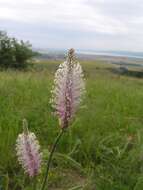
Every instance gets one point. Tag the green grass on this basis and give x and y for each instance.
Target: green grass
(103, 148)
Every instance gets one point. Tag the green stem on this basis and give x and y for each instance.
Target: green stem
(34, 183)
(50, 158)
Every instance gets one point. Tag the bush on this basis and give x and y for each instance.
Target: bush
(14, 53)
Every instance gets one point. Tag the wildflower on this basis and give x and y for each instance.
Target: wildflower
(68, 89)
(28, 151)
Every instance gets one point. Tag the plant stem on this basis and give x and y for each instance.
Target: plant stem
(34, 183)
(50, 158)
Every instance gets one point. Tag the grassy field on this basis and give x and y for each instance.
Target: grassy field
(103, 149)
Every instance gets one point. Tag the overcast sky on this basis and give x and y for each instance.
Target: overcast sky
(82, 24)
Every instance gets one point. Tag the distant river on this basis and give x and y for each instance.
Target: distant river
(116, 54)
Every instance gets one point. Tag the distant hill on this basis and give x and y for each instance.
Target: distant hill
(121, 58)
(87, 54)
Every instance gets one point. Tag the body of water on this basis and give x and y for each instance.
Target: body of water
(138, 55)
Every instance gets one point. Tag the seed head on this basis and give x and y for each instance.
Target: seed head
(28, 151)
(68, 89)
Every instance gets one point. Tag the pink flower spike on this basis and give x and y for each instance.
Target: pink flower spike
(68, 89)
(28, 151)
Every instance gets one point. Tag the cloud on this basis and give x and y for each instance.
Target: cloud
(114, 21)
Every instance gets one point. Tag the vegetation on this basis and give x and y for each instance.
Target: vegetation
(103, 149)
(14, 53)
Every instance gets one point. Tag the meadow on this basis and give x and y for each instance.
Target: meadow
(103, 148)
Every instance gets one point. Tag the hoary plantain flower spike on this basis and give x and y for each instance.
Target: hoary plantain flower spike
(28, 151)
(68, 89)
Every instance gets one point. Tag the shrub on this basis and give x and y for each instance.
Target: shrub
(14, 53)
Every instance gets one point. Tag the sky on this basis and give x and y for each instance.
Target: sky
(81, 24)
